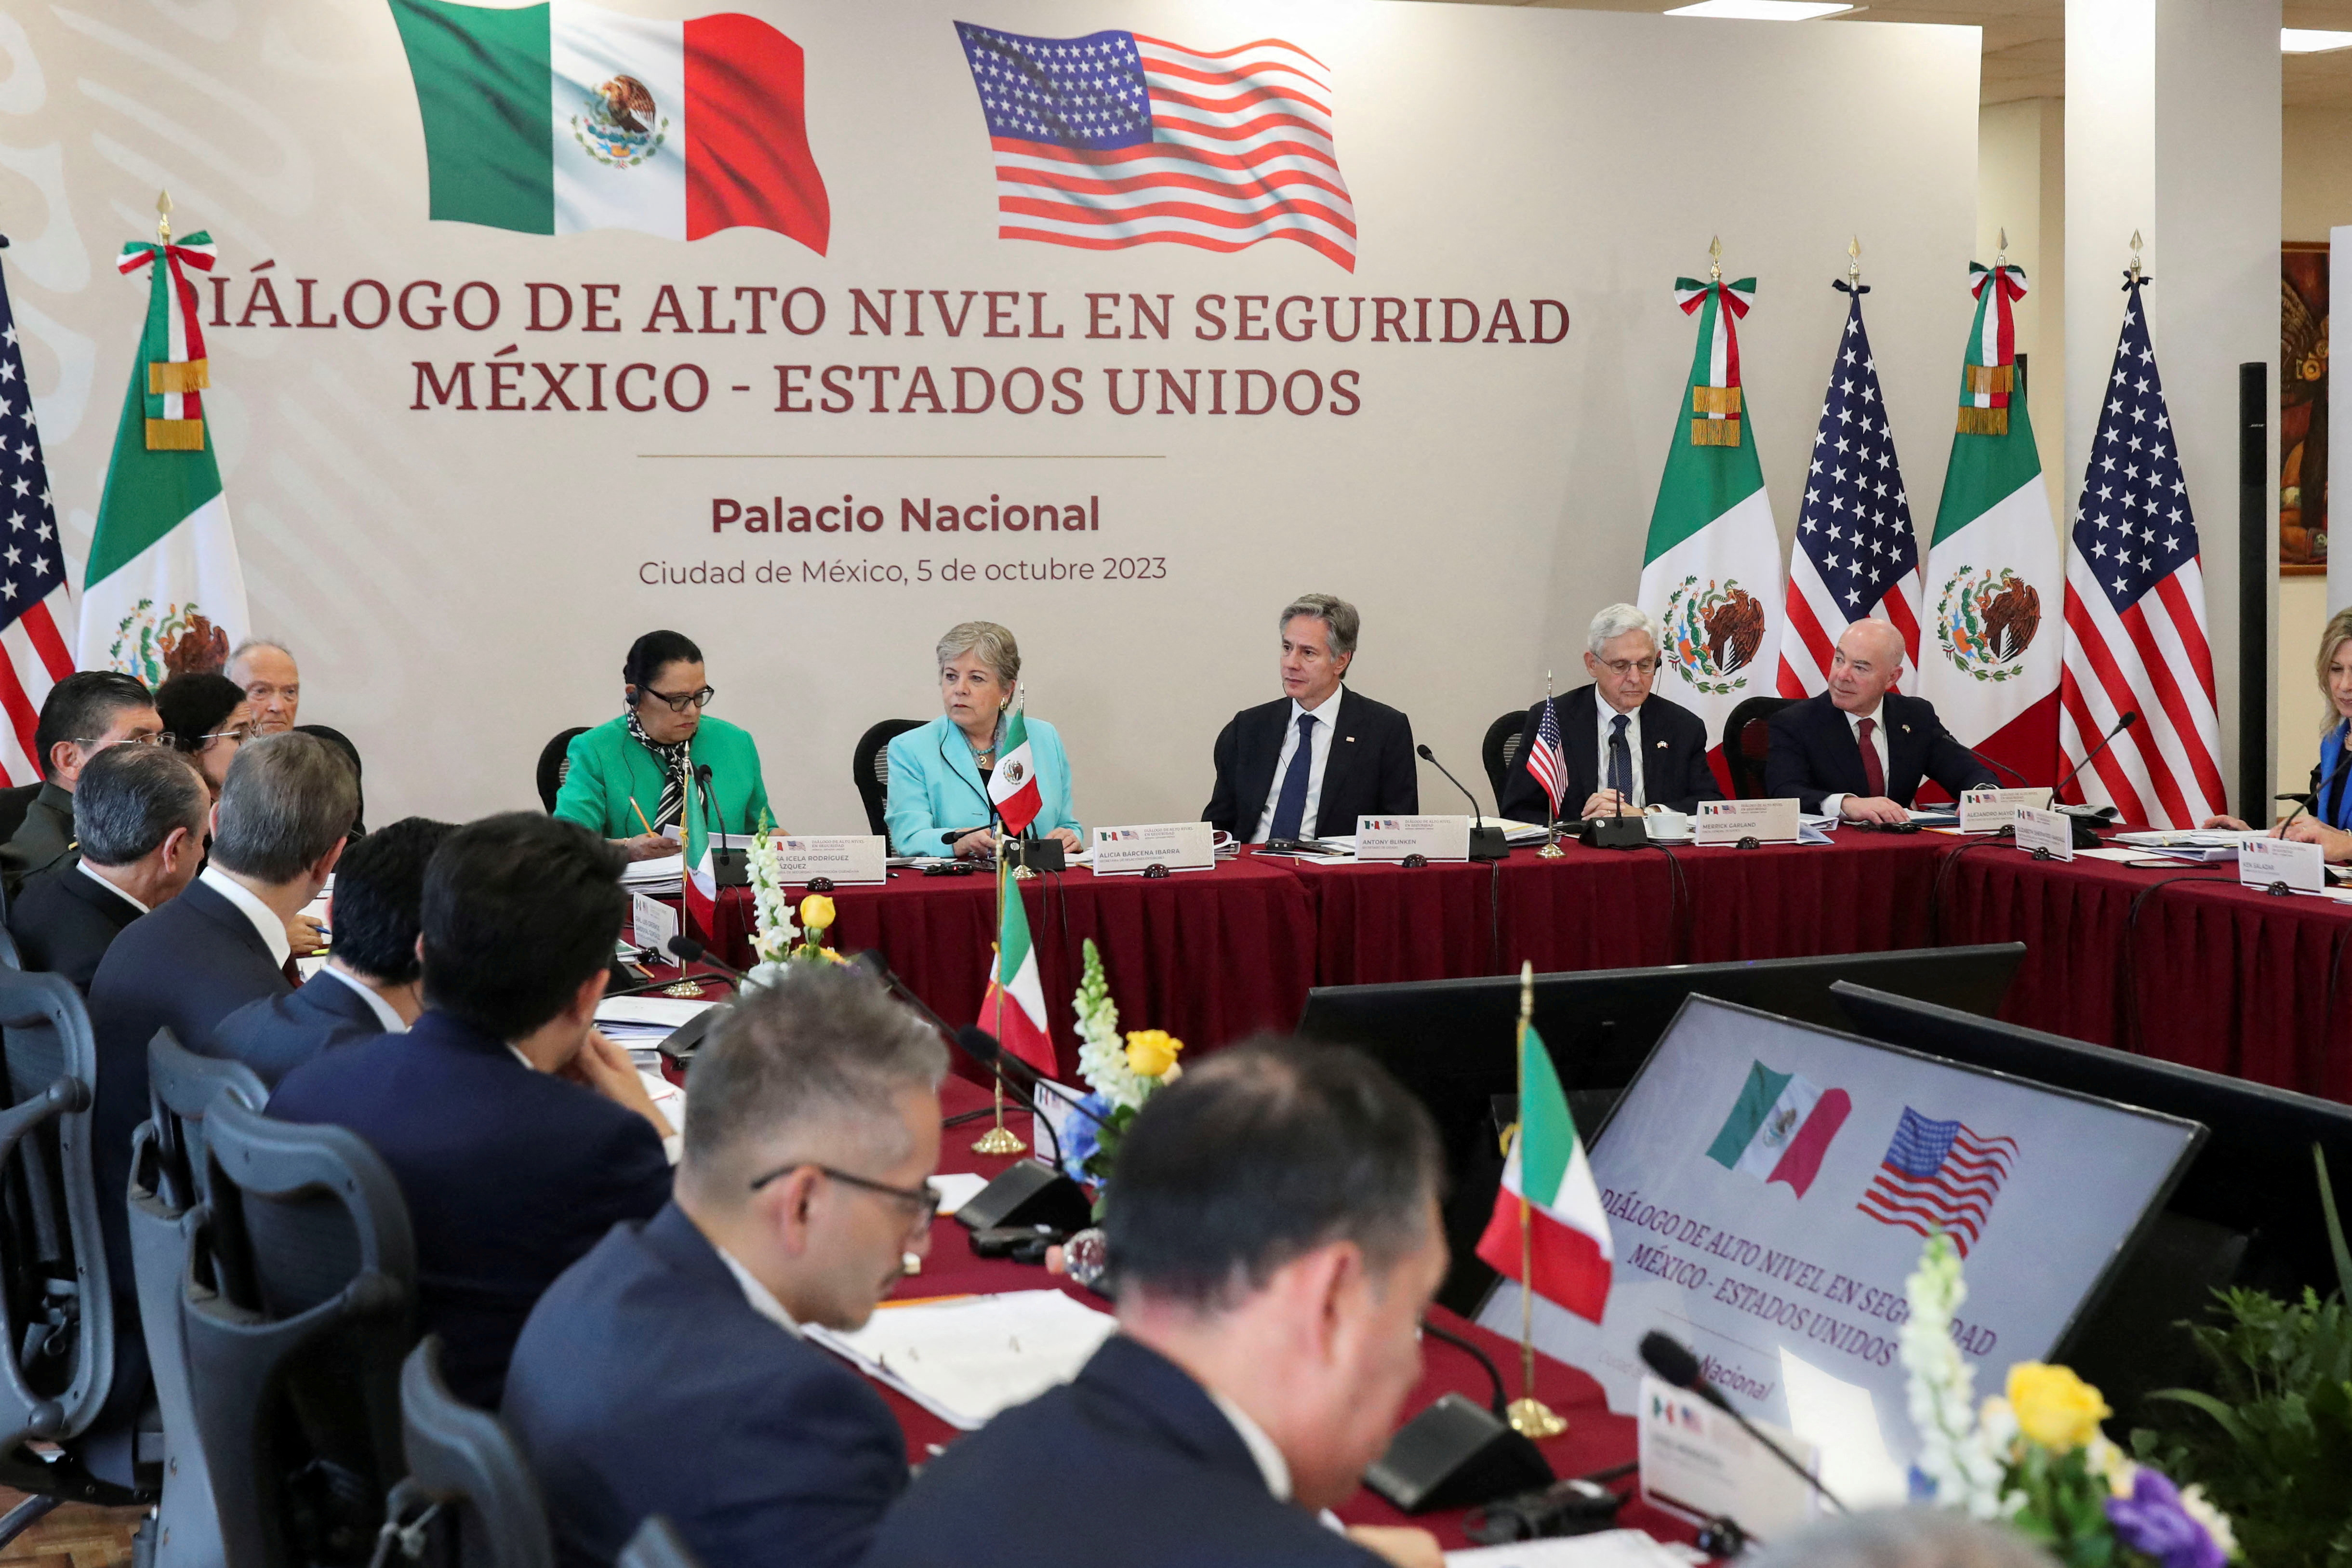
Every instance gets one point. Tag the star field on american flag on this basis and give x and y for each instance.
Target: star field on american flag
(2134, 526)
(1855, 523)
(1081, 92)
(28, 549)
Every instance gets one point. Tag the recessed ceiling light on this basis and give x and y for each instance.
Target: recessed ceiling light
(1785, 11)
(2312, 41)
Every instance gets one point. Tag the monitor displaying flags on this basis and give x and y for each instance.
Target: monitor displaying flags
(1857, 553)
(1115, 139)
(34, 604)
(1545, 759)
(1548, 1230)
(1940, 1175)
(2136, 611)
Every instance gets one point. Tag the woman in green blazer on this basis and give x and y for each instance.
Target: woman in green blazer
(627, 779)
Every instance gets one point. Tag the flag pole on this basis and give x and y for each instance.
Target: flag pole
(1529, 1417)
(998, 1139)
(1551, 849)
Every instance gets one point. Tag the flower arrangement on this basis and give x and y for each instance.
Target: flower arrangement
(777, 940)
(2036, 1458)
(1121, 1071)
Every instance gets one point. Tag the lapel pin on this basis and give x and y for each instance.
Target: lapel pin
(1662, 745)
(1906, 728)
(1351, 740)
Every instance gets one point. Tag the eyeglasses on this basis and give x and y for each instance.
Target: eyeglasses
(1621, 667)
(684, 700)
(923, 1201)
(163, 737)
(238, 732)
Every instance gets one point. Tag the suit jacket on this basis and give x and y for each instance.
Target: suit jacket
(609, 768)
(1814, 755)
(646, 1383)
(511, 1174)
(278, 1034)
(45, 837)
(936, 789)
(1674, 771)
(1369, 771)
(64, 922)
(1164, 1479)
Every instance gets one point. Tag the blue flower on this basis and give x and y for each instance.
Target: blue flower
(1081, 1136)
(2151, 1520)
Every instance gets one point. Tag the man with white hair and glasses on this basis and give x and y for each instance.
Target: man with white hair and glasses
(1626, 749)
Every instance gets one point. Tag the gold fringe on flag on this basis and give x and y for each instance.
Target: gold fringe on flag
(167, 376)
(1984, 421)
(1722, 400)
(1986, 379)
(176, 435)
(1714, 432)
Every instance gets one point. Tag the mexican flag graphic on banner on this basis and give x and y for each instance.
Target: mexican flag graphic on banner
(560, 118)
(1987, 661)
(1711, 571)
(1013, 1010)
(1779, 1128)
(162, 592)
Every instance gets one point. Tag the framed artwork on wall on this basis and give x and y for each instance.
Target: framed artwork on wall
(2302, 407)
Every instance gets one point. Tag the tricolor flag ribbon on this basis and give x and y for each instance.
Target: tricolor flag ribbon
(1990, 374)
(1715, 372)
(173, 342)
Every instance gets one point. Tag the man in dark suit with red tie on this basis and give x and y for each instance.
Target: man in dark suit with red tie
(1859, 750)
(1309, 763)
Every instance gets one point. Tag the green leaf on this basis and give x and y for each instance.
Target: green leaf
(2335, 1225)
(2199, 1400)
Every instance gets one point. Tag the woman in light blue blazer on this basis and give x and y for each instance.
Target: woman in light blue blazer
(939, 802)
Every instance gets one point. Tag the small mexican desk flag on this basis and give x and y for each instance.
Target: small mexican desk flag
(1013, 783)
(1547, 1186)
(162, 592)
(1014, 1008)
(699, 893)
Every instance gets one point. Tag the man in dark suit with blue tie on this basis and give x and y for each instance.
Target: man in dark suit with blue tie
(1859, 750)
(1311, 763)
(518, 1135)
(371, 984)
(666, 1373)
(141, 817)
(1623, 747)
(1275, 1240)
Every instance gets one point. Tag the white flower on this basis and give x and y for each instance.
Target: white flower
(772, 908)
(2198, 1506)
(1962, 1456)
(1102, 1049)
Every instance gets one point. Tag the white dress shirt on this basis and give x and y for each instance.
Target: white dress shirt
(1834, 804)
(1325, 715)
(85, 869)
(264, 919)
(1608, 721)
(393, 1023)
(1270, 1462)
(763, 1300)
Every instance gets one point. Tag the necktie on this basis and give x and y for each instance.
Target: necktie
(1874, 776)
(1290, 805)
(1620, 761)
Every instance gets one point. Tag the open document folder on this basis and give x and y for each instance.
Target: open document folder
(968, 1357)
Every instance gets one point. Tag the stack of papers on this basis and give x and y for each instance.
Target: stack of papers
(967, 1358)
(663, 875)
(640, 1023)
(2192, 846)
(1602, 1549)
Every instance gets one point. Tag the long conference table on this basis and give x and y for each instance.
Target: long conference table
(2178, 961)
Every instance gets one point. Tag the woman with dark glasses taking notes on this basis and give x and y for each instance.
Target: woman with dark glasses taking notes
(631, 778)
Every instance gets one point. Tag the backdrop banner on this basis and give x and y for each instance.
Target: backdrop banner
(811, 329)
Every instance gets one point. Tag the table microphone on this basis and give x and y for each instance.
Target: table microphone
(2342, 758)
(1675, 1364)
(2130, 717)
(2022, 782)
(685, 950)
(977, 1043)
(1486, 843)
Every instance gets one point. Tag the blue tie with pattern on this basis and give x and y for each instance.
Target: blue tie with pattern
(1621, 761)
(1290, 805)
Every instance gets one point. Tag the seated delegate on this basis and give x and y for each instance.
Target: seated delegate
(631, 777)
(1859, 750)
(2328, 822)
(1625, 747)
(939, 772)
(273, 684)
(209, 716)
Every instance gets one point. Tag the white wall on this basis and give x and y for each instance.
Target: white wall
(2021, 187)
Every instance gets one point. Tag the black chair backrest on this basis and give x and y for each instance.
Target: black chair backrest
(656, 1544)
(297, 1310)
(466, 1459)
(554, 762)
(14, 803)
(1500, 750)
(9, 956)
(1747, 741)
(167, 1151)
(869, 767)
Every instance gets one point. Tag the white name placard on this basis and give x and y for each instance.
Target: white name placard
(1696, 1462)
(2263, 862)
(1765, 821)
(1394, 838)
(1991, 810)
(1179, 846)
(843, 857)
(655, 921)
(2050, 830)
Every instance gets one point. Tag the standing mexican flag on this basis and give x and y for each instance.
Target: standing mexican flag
(699, 892)
(1711, 570)
(162, 592)
(1548, 1231)
(559, 118)
(1994, 563)
(1014, 1008)
(1013, 783)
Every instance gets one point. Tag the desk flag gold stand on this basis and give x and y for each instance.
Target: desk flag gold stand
(1551, 849)
(1529, 1417)
(998, 1139)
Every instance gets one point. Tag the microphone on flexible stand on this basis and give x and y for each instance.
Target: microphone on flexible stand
(1994, 762)
(2086, 837)
(685, 950)
(728, 866)
(1486, 843)
(976, 1043)
(1675, 1364)
(2345, 756)
(1615, 832)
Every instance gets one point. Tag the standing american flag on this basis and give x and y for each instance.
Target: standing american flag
(1857, 553)
(1940, 1175)
(1115, 139)
(2135, 610)
(1545, 759)
(34, 600)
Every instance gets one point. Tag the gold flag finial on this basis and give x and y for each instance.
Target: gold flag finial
(1854, 259)
(2000, 248)
(1715, 259)
(2134, 260)
(164, 217)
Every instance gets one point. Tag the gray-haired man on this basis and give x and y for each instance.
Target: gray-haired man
(1320, 756)
(140, 814)
(1624, 748)
(664, 1372)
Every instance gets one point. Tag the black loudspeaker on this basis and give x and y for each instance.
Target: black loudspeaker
(1040, 854)
(1455, 1454)
(1030, 1192)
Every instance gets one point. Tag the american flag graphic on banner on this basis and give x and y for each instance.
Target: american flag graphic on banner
(1857, 553)
(1940, 1175)
(34, 599)
(1115, 139)
(2135, 612)
(1546, 761)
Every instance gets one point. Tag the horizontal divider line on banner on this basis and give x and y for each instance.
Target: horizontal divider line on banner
(930, 457)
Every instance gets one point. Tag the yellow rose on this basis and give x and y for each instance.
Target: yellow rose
(1150, 1052)
(2054, 1407)
(816, 912)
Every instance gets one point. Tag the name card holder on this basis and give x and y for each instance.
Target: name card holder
(2282, 866)
(2045, 835)
(1400, 837)
(1991, 810)
(1740, 823)
(842, 857)
(1133, 851)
